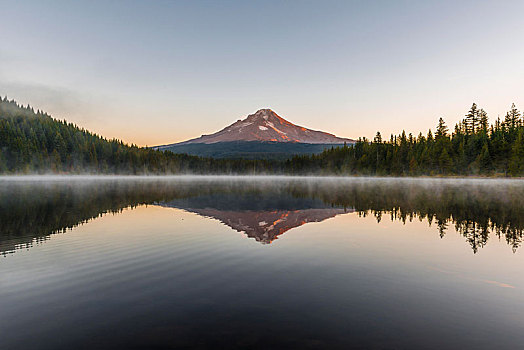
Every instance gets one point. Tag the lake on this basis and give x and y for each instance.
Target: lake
(261, 263)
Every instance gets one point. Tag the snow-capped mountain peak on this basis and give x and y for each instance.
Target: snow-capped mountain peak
(266, 125)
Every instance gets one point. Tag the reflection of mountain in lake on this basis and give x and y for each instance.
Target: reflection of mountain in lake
(266, 226)
(260, 215)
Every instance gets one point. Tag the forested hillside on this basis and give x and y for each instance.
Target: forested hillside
(249, 149)
(34, 142)
(473, 148)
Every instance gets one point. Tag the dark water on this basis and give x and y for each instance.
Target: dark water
(267, 263)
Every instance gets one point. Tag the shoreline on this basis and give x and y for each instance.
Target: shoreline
(57, 177)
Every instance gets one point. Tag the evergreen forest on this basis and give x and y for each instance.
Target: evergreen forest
(34, 142)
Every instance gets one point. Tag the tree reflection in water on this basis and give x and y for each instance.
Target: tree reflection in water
(263, 208)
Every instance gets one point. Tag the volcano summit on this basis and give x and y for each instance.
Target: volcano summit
(260, 135)
(266, 125)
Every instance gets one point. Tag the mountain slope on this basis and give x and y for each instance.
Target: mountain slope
(249, 149)
(265, 126)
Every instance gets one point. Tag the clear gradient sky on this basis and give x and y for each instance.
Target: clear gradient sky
(156, 72)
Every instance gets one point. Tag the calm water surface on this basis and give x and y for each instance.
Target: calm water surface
(265, 263)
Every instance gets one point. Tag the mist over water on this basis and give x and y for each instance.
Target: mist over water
(260, 262)
(475, 207)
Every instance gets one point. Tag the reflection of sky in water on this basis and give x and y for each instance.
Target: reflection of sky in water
(169, 277)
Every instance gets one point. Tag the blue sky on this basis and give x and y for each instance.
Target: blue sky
(155, 72)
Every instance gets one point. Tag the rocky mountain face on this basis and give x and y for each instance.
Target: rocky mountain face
(266, 126)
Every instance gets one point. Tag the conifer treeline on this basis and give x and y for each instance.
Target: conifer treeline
(473, 148)
(33, 142)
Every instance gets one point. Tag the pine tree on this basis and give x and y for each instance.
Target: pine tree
(516, 166)
(512, 119)
(484, 159)
(472, 120)
(442, 129)
(445, 162)
(430, 136)
(483, 120)
(413, 166)
(378, 138)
